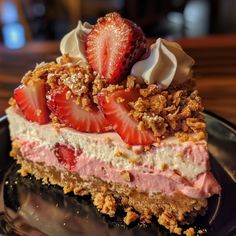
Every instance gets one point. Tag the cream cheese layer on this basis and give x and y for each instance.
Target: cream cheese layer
(169, 167)
(150, 180)
(189, 159)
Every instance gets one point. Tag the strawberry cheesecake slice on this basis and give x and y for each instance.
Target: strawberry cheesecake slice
(117, 120)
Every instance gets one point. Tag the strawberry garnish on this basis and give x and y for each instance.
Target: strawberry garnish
(31, 99)
(113, 46)
(115, 107)
(73, 115)
(65, 155)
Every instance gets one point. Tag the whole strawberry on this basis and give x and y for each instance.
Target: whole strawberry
(113, 46)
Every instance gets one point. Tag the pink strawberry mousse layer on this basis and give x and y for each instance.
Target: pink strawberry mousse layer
(147, 180)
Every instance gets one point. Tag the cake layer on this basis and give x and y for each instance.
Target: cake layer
(144, 179)
(189, 159)
(37, 144)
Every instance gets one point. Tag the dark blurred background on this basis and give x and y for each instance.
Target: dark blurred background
(38, 20)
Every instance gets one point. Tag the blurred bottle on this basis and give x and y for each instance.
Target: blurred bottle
(13, 25)
(197, 18)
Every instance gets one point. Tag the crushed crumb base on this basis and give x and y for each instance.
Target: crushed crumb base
(171, 211)
(105, 203)
(189, 232)
(131, 216)
(169, 221)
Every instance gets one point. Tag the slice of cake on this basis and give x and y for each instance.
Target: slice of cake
(117, 120)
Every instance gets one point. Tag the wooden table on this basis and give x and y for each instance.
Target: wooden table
(215, 70)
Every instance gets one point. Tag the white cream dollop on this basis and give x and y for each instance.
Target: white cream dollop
(166, 63)
(73, 43)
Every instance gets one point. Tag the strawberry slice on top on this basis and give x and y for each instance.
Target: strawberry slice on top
(113, 46)
(73, 115)
(31, 99)
(116, 110)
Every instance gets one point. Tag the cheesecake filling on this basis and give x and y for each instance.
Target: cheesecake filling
(148, 180)
(188, 158)
(168, 167)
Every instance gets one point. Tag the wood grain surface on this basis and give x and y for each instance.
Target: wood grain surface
(214, 70)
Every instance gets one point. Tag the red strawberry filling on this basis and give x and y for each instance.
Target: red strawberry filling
(65, 155)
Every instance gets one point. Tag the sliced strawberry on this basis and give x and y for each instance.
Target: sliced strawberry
(73, 115)
(65, 155)
(113, 46)
(31, 100)
(117, 114)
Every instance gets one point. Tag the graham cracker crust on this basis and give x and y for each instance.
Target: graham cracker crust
(170, 211)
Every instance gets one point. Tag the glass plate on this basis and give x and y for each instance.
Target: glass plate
(28, 207)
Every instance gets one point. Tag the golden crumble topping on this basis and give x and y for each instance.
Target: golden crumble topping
(130, 81)
(168, 112)
(12, 102)
(41, 71)
(113, 87)
(84, 85)
(151, 89)
(174, 111)
(55, 123)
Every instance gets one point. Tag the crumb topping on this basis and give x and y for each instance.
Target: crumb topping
(55, 123)
(41, 71)
(84, 85)
(169, 112)
(12, 102)
(131, 81)
(173, 111)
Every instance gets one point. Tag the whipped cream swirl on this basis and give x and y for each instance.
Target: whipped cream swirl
(73, 43)
(166, 64)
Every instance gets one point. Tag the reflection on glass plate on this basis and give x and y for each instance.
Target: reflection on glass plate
(29, 208)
